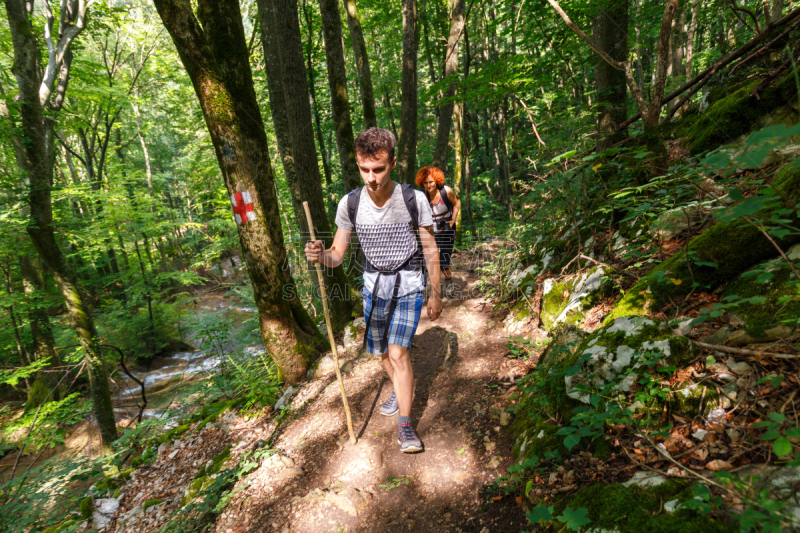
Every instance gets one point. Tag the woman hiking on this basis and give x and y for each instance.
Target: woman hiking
(445, 206)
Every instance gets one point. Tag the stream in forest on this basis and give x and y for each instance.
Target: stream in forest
(166, 376)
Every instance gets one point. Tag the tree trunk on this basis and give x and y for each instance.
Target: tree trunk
(362, 63)
(291, 79)
(450, 70)
(467, 178)
(458, 167)
(326, 165)
(337, 82)
(35, 90)
(215, 57)
(610, 32)
(427, 44)
(43, 344)
(407, 143)
(694, 5)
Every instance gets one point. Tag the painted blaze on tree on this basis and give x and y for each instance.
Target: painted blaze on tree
(242, 207)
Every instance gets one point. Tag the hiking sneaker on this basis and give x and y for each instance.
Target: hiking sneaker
(390, 406)
(407, 439)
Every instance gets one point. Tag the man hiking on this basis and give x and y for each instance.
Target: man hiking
(385, 216)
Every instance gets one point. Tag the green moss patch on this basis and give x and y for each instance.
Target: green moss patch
(151, 503)
(215, 463)
(737, 114)
(633, 509)
(173, 433)
(765, 315)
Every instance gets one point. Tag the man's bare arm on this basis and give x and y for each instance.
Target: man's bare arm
(333, 256)
(431, 253)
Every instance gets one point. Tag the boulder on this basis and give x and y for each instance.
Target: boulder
(613, 351)
(104, 511)
(567, 302)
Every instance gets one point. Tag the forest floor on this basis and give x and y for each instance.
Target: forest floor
(321, 482)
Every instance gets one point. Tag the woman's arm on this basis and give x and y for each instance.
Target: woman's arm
(451, 195)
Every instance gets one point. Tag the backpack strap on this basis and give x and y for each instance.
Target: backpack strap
(410, 199)
(353, 199)
(447, 203)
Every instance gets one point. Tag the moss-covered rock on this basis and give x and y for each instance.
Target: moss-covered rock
(533, 435)
(151, 503)
(763, 321)
(738, 113)
(195, 488)
(174, 433)
(633, 509)
(567, 302)
(734, 247)
(625, 344)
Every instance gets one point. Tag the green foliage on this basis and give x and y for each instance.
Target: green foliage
(395, 482)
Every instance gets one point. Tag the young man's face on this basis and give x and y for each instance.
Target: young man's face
(376, 172)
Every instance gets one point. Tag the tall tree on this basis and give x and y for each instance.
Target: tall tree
(610, 32)
(279, 19)
(213, 50)
(651, 110)
(41, 89)
(337, 82)
(326, 165)
(451, 73)
(362, 63)
(407, 143)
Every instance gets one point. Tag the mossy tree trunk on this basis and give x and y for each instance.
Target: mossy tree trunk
(42, 335)
(446, 118)
(337, 82)
(407, 143)
(36, 90)
(213, 50)
(287, 81)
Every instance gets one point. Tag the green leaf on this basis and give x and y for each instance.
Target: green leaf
(793, 433)
(566, 430)
(571, 441)
(770, 435)
(701, 491)
(748, 207)
(540, 512)
(777, 417)
(575, 519)
(528, 487)
(782, 447)
(462, 450)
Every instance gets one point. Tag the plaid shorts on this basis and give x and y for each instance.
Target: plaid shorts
(404, 322)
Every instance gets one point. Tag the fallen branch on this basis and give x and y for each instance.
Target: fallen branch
(125, 368)
(744, 351)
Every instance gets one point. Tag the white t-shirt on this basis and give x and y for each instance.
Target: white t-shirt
(387, 239)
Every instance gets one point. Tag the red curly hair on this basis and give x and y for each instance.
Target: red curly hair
(430, 172)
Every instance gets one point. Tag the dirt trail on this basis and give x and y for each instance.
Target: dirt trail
(335, 486)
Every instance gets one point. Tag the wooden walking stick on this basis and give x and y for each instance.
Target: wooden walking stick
(330, 331)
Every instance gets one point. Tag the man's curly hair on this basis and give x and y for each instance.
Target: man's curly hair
(373, 142)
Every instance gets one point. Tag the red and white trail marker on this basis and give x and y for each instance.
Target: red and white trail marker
(242, 207)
